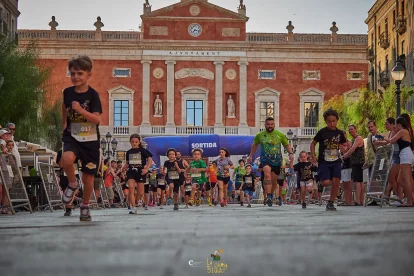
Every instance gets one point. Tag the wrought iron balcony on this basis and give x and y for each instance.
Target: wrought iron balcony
(370, 53)
(384, 41)
(401, 25)
(384, 78)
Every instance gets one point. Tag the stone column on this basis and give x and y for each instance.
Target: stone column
(243, 93)
(170, 93)
(219, 95)
(146, 68)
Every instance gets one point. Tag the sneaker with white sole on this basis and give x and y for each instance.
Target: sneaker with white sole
(69, 194)
(85, 214)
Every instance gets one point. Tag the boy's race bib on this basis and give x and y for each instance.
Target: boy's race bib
(161, 182)
(188, 188)
(84, 132)
(331, 155)
(248, 180)
(173, 175)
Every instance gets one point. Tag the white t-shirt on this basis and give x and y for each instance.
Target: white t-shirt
(2, 142)
(16, 154)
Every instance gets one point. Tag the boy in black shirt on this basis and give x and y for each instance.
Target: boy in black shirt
(81, 114)
(304, 171)
(329, 163)
(173, 171)
(138, 162)
(248, 186)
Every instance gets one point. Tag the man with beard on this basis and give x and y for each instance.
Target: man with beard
(271, 142)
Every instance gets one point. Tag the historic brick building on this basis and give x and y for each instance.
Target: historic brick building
(194, 69)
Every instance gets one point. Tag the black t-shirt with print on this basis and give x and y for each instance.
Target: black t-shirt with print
(304, 170)
(248, 182)
(89, 101)
(172, 172)
(329, 142)
(137, 158)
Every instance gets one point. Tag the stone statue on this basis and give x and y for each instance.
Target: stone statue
(98, 24)
(231, 108)
(53, 24)
(242, 6)
(158, 107)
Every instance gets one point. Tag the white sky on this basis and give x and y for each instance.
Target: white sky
(308, 16)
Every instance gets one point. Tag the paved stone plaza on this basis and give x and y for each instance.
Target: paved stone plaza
(258, 241)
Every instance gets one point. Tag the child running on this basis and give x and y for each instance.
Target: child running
(212, 188)
(81, 113)
(248, 185)
(330, 139)
(138, 162)
(188, 188)
(173, 171)
(161, 190)
(304, 171)
(198, 169)
(224, 164)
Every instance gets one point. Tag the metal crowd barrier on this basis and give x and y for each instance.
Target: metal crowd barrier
(118, 188)
(291, 187)
(50, 186)
(104, 196)
(379, 175)
(12, 181)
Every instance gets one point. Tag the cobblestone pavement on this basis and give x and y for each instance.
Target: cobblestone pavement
(258, 241)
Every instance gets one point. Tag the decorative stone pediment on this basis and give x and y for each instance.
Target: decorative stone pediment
(121, 92)
(193, 9)
(312, 92)
(352, 95)
(267, 91)
(194, 72)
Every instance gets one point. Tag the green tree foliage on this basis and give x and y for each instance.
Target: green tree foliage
(23, 94)
(368, 106)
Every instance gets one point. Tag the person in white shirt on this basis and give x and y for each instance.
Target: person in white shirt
(15, 151)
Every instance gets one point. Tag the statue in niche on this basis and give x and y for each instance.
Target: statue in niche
(158, 107)
(231, 108)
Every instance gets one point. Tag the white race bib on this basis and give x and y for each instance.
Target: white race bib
(84, 132)
(331, 155)
(135, 159)
(188, 188)
(197, 174)
(161, 182)
(173, 175)
(248, 180)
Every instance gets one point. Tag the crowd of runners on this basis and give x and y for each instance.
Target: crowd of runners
(337, 159)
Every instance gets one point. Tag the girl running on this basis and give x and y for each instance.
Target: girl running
(138, 161)
(172, 171)
(212, 189)
(188, 188)
(161, 190)
(304, 170)
(198, 169)
(224, 164)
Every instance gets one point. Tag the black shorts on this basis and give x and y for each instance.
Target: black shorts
(187, 193)
(280, 182)
(357, 173)
(213, 185)
(275, 169)
(87, 153)
(136, 175)
(237, 185)
(161, 187)
(146, 189)
(207, 187)
(199, 187)
(153, 189)
(176, 183)
(124, 187)
(225, 180)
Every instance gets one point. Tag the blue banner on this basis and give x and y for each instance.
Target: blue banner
(208, 143)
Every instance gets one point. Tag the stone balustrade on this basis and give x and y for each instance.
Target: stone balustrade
(79, 35)
(297, 38)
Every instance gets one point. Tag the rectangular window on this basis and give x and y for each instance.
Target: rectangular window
(354, 75)
(121, 72)
(194, 111)
(267, 74)
(311, 113)
(267, 109)
(121, 113)
(311, 75)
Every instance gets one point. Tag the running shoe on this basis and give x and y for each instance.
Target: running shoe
(269, 201)
(249, 206)
(134, 212)
(198, 202)
(241, 204)
(280, 201)
(264, 202)
(330, 207)
(210, 204)
(191, 203)
(68, 212)
(175, 206)
(222, 204)
(69, 194)
(85, 213)
(303, 205)
(146, 208)
(161, 207)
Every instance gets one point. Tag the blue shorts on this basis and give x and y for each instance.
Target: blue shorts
(328, 171)
(247, 192)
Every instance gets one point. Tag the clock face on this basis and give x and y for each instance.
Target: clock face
(194, 29)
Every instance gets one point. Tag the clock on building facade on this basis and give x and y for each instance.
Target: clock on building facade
(195, 29)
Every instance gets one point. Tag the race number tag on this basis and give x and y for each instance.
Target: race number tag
(196, 174)
(188, 188)
(84, 132)
(173, 175)
(331, 155)
(248, 180)
(161, 182)
(135, 159)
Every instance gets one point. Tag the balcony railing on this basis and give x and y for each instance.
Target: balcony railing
(193, 130)
(401, 25)
(384, 41)
(384, 78)
(231, 130)
(307, 131)
(158, 130)
(79, 35)
(121, 130)
(370, 53)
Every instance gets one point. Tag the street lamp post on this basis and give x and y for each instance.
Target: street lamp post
(293, 140)
(398, 73)
(109, 146)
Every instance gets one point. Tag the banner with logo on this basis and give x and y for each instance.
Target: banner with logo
(208, 143)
